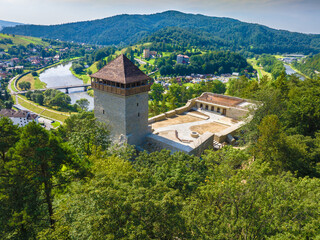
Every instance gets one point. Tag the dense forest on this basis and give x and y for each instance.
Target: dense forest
(180, 39)
(271, 64)
(218, 32)
(216, 62)
(73, 183)
(309, 66)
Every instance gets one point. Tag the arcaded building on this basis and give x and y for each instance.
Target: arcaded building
(121, 100)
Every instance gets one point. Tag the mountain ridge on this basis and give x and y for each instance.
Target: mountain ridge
(4, 23)
(126, 29)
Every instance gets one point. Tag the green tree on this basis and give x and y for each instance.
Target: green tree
(303, 108)
(28, 94)
(43, 156)
(84, 132)
(9, 135)
(26, 180)
(24, 85)
(83, 104)
(157, 91)
(118, 202)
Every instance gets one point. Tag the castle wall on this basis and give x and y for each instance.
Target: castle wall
(110, 109)
(237, 113)
(136, 110)
(126, 116)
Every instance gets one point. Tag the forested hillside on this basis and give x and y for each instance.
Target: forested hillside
(73, 183)
(215, 62)
(309, 66)
(8, 24)
(214, 32)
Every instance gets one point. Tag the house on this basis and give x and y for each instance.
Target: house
(147, 53)
(56, 58)
(183, 59)
(20, 117)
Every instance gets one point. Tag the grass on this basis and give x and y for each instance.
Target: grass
(54, 115)
(21, 40)
(90, 92)
(34, 81)
(188, 84)
(93, 67)
(259, 69)
(55, 124)
(13, 87)
(42, 111)
(83, 76)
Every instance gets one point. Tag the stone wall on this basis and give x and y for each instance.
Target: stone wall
(126, 116)
(196, 148)
(190, 104)
(237, 113)
(136, 109)
(203, 142)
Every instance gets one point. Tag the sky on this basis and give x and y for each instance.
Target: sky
(293, 15)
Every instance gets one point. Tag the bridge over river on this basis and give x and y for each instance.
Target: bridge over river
(84, 86)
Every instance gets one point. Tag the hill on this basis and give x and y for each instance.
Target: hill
(309, 66)
(7, 41)
(8, 24)
(129, 29)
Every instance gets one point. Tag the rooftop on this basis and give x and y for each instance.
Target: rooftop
(17, 114)
(221, 99)
(121, 70)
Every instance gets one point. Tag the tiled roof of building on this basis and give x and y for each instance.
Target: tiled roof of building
(121, 70)
(18, 114)
(221, 99)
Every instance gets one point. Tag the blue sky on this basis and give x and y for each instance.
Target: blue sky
(293, 15)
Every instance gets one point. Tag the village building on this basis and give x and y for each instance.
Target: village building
(183, 59)
(20, 117)
(147, 53)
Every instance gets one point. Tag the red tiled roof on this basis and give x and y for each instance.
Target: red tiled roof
(121, 70)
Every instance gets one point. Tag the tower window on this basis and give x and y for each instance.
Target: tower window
(137, 104)
(138, 114)
(102, 111)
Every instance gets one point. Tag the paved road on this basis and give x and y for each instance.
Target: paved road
(9, 86)
(140, 61)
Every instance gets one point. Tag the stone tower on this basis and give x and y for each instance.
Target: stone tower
(121, 100)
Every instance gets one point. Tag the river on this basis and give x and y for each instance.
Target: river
(290, 71)
(62, 76)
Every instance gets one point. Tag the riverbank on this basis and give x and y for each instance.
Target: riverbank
(40, 110)
(84, 76)
(297, 71)
(35, 82)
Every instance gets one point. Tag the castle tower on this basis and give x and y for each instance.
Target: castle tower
(121, 100)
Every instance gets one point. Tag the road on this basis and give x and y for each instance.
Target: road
(140, 61)
(9, 86)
